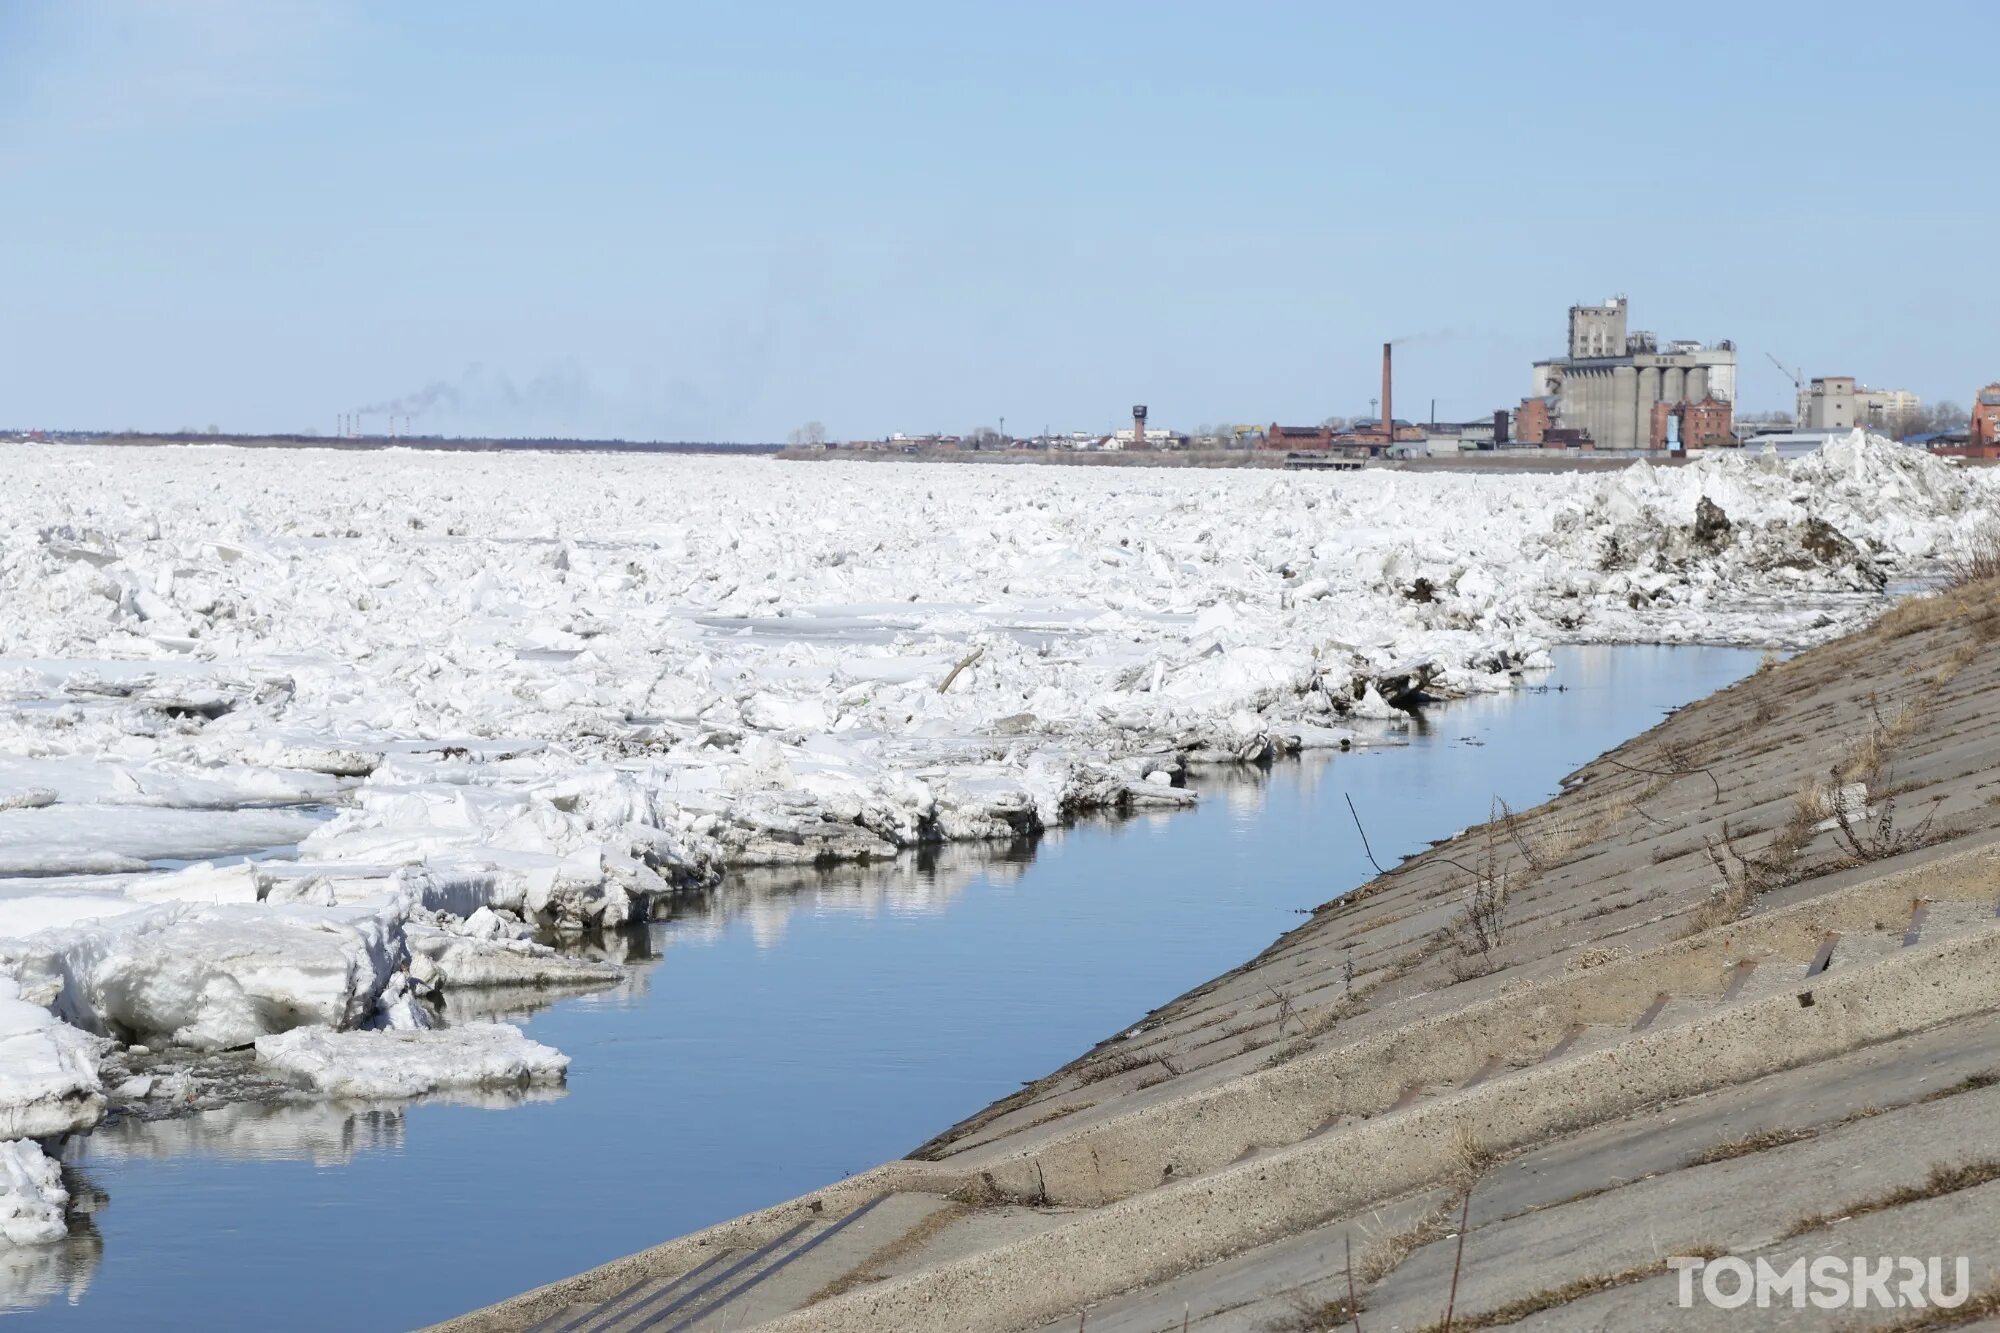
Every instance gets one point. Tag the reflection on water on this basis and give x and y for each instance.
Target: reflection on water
(920, 882)
(327, 1133)
(927, 880)
(323, 1133)
(33, 1275)
(790, 1027)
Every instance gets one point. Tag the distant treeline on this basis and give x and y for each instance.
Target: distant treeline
(452, 444)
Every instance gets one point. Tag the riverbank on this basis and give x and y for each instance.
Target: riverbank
(794, 1026)
(1736, 982)
(1529, 462)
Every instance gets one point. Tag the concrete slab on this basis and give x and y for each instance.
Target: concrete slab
(1741, 1205)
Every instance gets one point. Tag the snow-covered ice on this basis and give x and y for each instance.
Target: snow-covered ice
(48, 1071)
(394, 1064)
(215, 977)
(32, 1197)
(295, 744)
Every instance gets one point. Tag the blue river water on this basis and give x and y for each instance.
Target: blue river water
(786, 1033)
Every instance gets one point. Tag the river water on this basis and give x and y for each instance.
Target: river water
(787, 1032)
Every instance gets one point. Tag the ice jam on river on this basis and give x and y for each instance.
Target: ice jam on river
(297, 745)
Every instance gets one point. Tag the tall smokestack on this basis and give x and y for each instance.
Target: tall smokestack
(1388, 405)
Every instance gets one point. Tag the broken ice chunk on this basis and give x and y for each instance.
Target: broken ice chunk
(32, 1197)
(410, 1063)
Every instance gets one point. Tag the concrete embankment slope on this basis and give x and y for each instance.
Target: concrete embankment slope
(1732, 991)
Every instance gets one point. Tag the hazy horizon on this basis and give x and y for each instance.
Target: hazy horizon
(675, 223)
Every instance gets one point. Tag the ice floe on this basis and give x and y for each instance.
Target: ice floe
(393, 1064)
(48, 1071)
(32, 1197)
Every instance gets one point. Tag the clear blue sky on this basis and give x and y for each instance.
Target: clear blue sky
(720, 221)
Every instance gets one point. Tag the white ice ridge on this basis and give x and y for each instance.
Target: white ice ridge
(277, 726)
(397, 1064)
(48, 1071)
(32, 1197)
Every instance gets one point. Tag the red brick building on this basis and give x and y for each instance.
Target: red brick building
(1708, 424)
(1532, 421)
(1984, 431)
(1297, 437)
(1362, 435)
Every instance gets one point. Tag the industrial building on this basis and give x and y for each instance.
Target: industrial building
(1828, 404)
(1611, 380)
(1839, 402)
(1371, 436)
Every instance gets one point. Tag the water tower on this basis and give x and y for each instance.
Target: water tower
(1138, 425)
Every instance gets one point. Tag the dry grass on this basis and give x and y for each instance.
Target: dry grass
(1970, 1083)
(1967, 597)
(1864, 761)
(1982, 1305)
(1915, 615)
(983, 1191)
(1047, 1117)
(1551, 1298)
(1766, 1140)
(1813, 803)
(1472, 1158)
(1942, 1180)
(1287, 1053)
(1741, 879)
(1963, 656)
(1547, 842)
(1309, 1316)
(1964, 596)
(1882, 837)
(1763, 1141)
(1676, 756)
(1985, 624)
(1722, 906)
(1376, 1262)
(1380, 1260)
(1470, 938)
(1321, 1018)
(1110, 1067)
(1556, 842)
(1980, 562)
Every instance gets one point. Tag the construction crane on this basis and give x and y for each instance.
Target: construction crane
(1798, 380)
(1798, 388)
